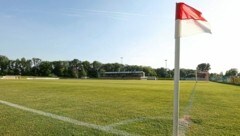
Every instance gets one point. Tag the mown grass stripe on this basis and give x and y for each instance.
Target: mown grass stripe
(190, 101)
(67, 119)
(185, 121)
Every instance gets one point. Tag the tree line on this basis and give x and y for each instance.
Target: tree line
(68, 69)
(233, 72)
(78, 69)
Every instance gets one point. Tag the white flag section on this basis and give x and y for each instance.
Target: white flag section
(190, 27)
(189, 21)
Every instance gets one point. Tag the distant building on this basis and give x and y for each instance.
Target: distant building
(204, 76)
(124, 75)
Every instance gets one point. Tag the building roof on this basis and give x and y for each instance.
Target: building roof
(125, 72)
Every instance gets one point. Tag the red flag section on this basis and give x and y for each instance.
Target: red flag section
(184, 11)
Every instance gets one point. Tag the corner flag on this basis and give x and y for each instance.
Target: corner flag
(189, 21)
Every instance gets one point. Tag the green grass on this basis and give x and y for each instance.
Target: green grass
(214, 109)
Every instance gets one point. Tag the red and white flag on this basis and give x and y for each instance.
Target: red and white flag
(189, 21)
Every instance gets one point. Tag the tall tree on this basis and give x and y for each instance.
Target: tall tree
(86, 66)
(11, 67)
(74, 67)
(149, 71)
(35, 66)
(4, 62)
(162, 72)
(36, 61)
(58, 68)
(17, 67)
(25, 66)
(231, 72)
(133, 68)
(96, 69)
(83, 73)
(204, 67)
(45, 68)
(187, 73)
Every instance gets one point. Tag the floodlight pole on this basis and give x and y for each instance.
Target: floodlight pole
(196, 74)
(122, 64)
(176, 88)
(166, 64)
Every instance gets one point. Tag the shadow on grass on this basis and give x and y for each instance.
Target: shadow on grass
(226, 83)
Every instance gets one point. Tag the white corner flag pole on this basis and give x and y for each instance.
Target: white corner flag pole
(176, 87)
(176, 80)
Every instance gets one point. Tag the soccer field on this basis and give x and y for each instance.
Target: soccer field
(116, 107)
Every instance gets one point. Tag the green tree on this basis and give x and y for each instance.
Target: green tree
(170, 73)
(183, 73)
(187, 73)
(36, 61)
(162, 72)
(59, 67)
(96, 69)
(35, 66)
(133, 68)
(74, 67)
(231, 72)
(87, 66)
(149, 71)
(83, 73)
(17, 67)
(11, 67)
(109, 67)
(204, 67)
(45, 68)
(4, 62)
(25, 66)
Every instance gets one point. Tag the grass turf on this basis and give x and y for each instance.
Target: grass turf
(214, 107)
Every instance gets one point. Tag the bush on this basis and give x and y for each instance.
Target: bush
(235, 80)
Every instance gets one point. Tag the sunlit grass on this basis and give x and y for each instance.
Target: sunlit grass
(214, 110)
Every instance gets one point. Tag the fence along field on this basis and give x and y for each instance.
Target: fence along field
(117, 107)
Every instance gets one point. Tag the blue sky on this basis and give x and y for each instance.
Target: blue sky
(140, 31)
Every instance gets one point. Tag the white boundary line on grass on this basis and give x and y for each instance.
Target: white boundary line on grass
(107, 129)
